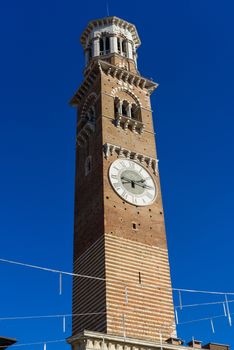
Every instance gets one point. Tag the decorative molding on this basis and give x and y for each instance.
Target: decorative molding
(114, 92)
(114, 22)
(88, 340)
(101, 67)
(109, 149)
(84, 134)
(90, 100)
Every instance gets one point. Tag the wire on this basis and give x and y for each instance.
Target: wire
(36, 343)
(204, 319)
(204, 304)
(49, 270)
(202, 291)
(103, 279)
(49, 316)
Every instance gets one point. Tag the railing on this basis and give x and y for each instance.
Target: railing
(128, 123)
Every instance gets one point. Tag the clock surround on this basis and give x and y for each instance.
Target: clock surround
(132, 182)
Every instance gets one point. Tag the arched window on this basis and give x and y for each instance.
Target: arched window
(125, 108)
(104, 44)
(117, 106)
(124, 48)
(135, 112)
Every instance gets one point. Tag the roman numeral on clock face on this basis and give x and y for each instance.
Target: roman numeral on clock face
(117, 185)
(125, 194)
(149, 195)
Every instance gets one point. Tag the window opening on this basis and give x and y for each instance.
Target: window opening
(119, 47)
(124, 48)
(139, 276)
(101, 43)
(107, 45)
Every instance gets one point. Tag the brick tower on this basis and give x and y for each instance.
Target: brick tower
(119, 231)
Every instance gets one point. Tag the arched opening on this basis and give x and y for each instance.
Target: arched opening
(135, 112)
(117, 109)
(125, 108)
(124, 48)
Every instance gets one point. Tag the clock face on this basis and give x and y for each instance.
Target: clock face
(132, 182)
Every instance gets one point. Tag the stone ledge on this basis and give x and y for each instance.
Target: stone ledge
(110, 149)
(88, 340)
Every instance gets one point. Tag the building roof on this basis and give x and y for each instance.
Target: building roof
(110, 20)
(6, 342)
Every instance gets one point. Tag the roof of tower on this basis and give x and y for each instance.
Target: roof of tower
(107, 21)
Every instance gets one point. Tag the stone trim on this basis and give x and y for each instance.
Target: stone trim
(114, 93)
(88, 340)
(99, 66)
(85, 133)
(113, 21)
(110, 149)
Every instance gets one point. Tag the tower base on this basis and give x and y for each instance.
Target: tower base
(88, 340)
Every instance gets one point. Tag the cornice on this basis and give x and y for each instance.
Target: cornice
(99, 67)
(108, 21)
(109, 149)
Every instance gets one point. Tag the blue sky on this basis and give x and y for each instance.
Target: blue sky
(187, 47)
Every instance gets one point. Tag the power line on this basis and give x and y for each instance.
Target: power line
(49, 269)
(100, 313)
(36, 343)
(203, 304)
(60, 272)
(202, 291)
(203, 319)
(49, 316)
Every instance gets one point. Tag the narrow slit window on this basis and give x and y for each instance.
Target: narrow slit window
(139, 276)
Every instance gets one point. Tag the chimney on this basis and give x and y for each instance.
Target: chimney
(195, 344)
(175, 341)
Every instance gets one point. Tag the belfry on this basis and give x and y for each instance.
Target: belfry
(122, 294)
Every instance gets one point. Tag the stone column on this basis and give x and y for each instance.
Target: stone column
(129, 50)
(113, 44)
(96, 46)
(120, 107)
(129, 107)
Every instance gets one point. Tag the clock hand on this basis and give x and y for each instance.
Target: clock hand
(149, 187)
(125, 178)
(143, 185)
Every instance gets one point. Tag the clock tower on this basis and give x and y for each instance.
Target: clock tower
(122, 292)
